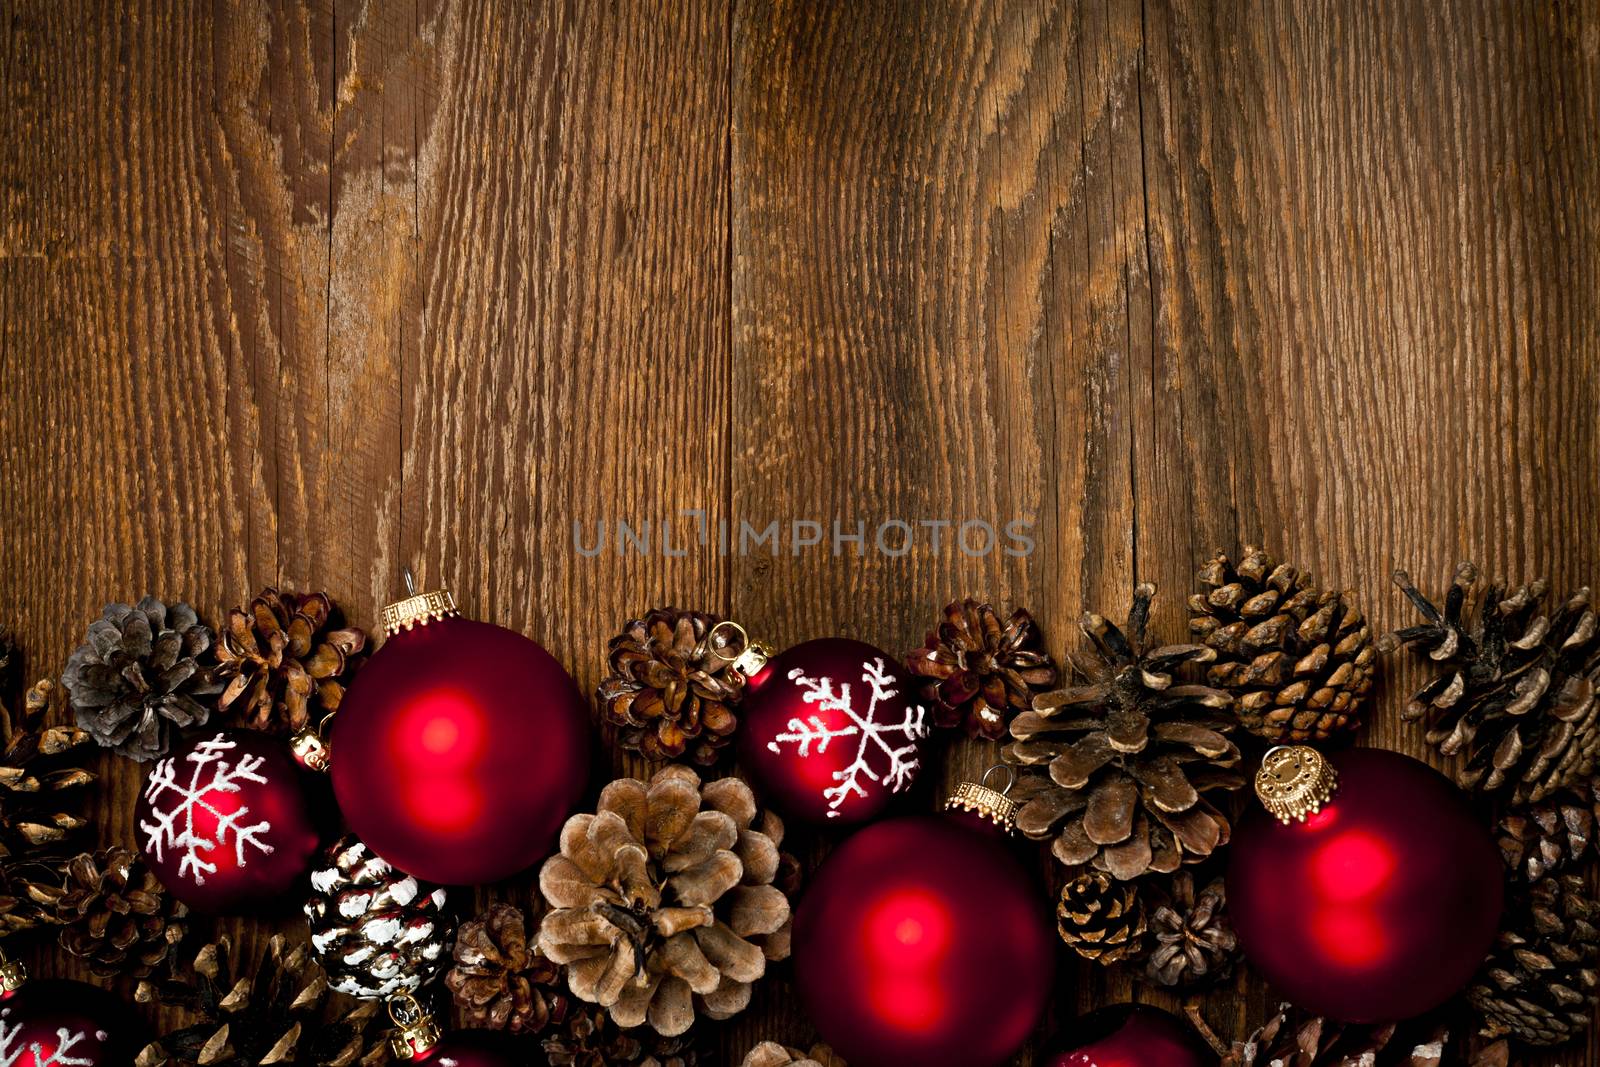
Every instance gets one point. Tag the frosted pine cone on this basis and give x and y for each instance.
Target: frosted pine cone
(143, 672)
(663, 900)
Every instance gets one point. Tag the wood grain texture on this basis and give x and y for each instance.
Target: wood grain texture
(307, 292)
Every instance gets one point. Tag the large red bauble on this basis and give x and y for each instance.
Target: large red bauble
(473, 1048)
(459, 751)
(923, 941)
(56, 1023)
(830, 732)
(1130, 1035)
(225, 822)
(1379, 906)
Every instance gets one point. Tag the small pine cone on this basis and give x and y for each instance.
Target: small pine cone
(1298, 660)
(663, 902)
(500, 981)
(1539, 983)
(1540, 839)
(1122, 772)
(116, 915)
(587, 1037)
(772, 1054)
(981, 673)
(1101, 918)
(1295, 1038)
(1194, 941)
(286, 661)
(143, 672)
(377, 931)
(1516, 693)
(669, 690)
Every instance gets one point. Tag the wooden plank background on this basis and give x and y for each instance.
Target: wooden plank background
(302, 292)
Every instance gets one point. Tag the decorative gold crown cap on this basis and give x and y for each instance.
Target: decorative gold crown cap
(991, 804)
(1294, 782)
(417, 609)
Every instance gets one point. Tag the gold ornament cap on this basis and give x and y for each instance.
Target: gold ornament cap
(985, 802)
(751, 656)
(1294, 782)
(417, 609)
(415, 1033)
(12, 975)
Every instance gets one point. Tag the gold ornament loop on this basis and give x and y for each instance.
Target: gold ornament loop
(415, 1032)
(984, 802)
(1294, 782)
(417, 609)
(750, 658)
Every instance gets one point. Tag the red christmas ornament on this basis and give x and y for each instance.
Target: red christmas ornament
(225, 822)
(67, 1024)
(1130, 1035)
(830, 732)
(923, 941)
(460, 748)
(1375, 905)
(471, 1048)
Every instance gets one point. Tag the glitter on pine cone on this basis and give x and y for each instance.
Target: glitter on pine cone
(1298, 660)
(670, 691)
(1124, 772)
(1516, 695)
(285, 661)
(980, 672)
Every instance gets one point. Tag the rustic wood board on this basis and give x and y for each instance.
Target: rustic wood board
(303, 292)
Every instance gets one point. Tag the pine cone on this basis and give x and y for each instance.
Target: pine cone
(1194, 941)
(1540, 839)
(1298, 660)
(500, 981)
(587, 1037)
(376, 931)
(285, 660)
(982, 673)
(1516, 696)
(279, 1013)
(115, 913)
(664, 902)
(1539, 982)
(38, 794)
(668, 690)
(1294, 1038)
(142, 673)
(772, 1054)
(1101, 918)
(1131, 757)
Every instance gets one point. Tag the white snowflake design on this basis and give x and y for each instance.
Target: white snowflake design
(814, 735)
(66, 1040)
(210, 771)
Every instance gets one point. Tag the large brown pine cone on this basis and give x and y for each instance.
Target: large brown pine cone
(499, 979)
(40, 797)
(143, 672)
(1193, 940)
(1556, 833)
(116, 915)
(663, 902)
(1298, 660)
(1294, 1038)
(1101, 918)
(1516, 695)
(981, 672)
(286, 660)
(669, 690)
(278, 1013)
(1539, 983)
(1121, 769)
(772, 1054)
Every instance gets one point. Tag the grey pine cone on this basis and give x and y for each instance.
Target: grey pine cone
(143, 672)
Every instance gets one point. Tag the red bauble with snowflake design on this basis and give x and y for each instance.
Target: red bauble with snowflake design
(831, 731)
(225, 821)
(67, 1024)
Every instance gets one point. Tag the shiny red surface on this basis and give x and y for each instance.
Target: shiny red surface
(793, 784)
(282, 802)
(101, 1030)
(475, 1048)
(923, 940)
(1130, 1035)
(1379, 907)
(459, 751)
